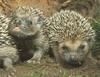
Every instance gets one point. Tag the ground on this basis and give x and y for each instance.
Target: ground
(48, 68)
(47, 6)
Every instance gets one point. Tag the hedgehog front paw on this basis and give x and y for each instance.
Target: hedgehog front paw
(29, 61)
(8, 66)
(11, 73)
(36, 57)
(34, 61)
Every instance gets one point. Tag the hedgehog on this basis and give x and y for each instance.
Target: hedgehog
(8, 58)
(5, 38)
(8, 51)
(24, 28)
(69, 35)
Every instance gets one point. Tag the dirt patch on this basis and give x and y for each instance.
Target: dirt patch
(47, 6)
(48, 68)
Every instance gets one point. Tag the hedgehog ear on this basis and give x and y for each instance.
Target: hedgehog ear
(39, 21)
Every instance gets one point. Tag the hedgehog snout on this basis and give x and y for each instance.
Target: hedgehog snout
(17, 29)
(74, 59)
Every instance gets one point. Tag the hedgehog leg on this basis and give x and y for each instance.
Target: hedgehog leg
(56, 55)
(8, 64)
(54, 47)
(36, 57)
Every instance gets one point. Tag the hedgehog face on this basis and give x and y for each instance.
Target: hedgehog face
(24, 26)
(73, 53)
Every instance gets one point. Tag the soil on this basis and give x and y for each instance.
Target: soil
(47, 6)
(48, 68)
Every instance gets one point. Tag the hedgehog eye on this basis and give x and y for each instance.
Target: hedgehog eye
(65, 49)
(82, 47)
(29, 22)
(17, 21)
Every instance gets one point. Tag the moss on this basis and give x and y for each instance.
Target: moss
(96, 47)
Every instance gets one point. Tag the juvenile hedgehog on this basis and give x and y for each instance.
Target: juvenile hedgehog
(24, 27)
(8, 51)
(69, 35)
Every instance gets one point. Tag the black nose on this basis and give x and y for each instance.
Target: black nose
(75, 62)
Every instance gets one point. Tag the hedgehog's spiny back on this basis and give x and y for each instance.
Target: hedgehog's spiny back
(68, 24)
(5, 39)
(26, 10)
